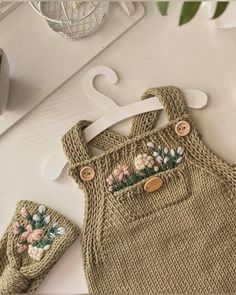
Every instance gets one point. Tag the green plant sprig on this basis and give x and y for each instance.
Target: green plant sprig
(190, 9)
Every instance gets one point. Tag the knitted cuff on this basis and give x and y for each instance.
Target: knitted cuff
(34, 241)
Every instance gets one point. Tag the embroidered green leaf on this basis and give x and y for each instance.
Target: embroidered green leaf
(220, 8)
(189, 10)
(21, 229)
(163, 7)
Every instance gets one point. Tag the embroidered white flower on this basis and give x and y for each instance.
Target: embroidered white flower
(179, 160)
(47, 219)
(166, 160)
(143, 161)
(156, 168)
(36, 217)
(35, 253)
(180, 150)
(150, 145)
(166, 150)
(46, 248)
(172, 152)
(155, 154)
(61, 230)
(159, 159)
(41, 209)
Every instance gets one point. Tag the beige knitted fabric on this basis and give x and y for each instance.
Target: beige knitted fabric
(19, 273)
(178, 239)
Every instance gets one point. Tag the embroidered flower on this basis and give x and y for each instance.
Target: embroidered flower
(142, 161)
(166, 150)
(18, 228)
(46, 248)
(47, 219)
(36, 217)
(35, 253)
(121, 171)
(172, 152)
(32, 234)
(24, 213)
(159, 159)
(150, 145)
(180, 150)
(166, 160)
(15, 228)
(21, 247)
(178, 161)
(162, 159)
(36, 236)
(42, 209)
(61, 231)
(156, 168)
(110, 180)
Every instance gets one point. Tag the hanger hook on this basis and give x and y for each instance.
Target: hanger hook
(93, 93)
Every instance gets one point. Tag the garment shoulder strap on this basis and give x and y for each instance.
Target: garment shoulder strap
(173, 102)
(77, 150)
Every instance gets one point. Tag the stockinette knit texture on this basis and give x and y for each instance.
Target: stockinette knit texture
(178, 239)
(18, 272)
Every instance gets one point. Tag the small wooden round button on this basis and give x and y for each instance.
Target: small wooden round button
(153, 184)
(87, 173)
(182, 128)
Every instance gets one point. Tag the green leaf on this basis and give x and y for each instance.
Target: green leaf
(189, 10)
(163, 7)
(220, 8)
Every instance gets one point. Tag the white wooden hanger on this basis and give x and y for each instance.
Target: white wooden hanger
(128, 7)
(196, 99)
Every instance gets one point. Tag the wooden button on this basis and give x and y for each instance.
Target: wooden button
(87, 173)
(153, 184)
(182, 128)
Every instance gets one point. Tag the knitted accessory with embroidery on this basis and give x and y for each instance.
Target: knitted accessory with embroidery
(160, 211)
(32, 244)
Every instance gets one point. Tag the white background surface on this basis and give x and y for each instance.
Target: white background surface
(31, 77)
(155, 52)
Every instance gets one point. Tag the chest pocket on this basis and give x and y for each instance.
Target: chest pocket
(136, 202)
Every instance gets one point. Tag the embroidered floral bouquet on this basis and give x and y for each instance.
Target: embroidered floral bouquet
(35, 236)
(162, 159)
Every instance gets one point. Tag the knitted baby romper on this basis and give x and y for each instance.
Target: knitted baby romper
(165, 220)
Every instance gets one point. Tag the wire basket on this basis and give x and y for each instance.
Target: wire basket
(73, 19)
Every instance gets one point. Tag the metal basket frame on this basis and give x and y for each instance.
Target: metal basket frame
(38, 10)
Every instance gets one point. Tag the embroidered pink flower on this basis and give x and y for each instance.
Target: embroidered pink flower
(24, 212)
(121, 171)
(110, 180)
(15, 228)
(110, 188)
(21, 248)
(32, 234)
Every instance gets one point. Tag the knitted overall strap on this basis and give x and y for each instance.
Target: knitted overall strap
(173, 103)
(75, 147)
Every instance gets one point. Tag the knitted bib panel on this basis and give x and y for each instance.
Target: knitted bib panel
(180, 238)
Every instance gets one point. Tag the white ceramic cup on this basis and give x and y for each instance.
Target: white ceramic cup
(4, 81)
